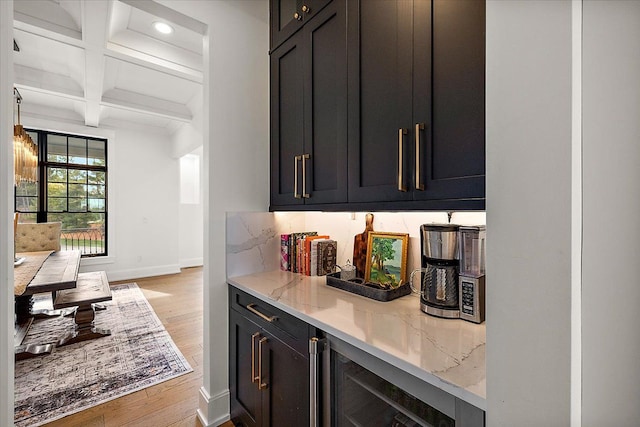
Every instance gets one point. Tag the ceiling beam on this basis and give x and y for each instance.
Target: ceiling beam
(153, 63)
(46, 82)
(47, 113)
(94, 34)
(126, 100)
(47, 15)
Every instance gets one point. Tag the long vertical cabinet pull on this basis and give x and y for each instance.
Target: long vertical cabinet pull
(305, 195)
(261, 385)
(296, 159)
(419, 183)
(316, 346)
(254, 378)
(401, 134)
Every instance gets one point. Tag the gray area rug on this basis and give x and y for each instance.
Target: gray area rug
(139, 353)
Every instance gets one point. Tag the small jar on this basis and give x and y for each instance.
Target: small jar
(348, 271)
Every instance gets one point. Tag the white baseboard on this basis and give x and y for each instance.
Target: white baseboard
(136, 273)
(213, 411)
(191, 262)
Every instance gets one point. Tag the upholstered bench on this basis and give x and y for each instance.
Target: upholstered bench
(90, 288)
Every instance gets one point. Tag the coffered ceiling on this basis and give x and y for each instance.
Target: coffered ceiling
(102, 62)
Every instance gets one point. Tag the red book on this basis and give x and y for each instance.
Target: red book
(307, 253)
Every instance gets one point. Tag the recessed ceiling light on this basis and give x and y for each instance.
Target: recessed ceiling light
(163, 27)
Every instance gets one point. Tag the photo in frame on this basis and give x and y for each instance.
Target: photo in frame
(387, 258)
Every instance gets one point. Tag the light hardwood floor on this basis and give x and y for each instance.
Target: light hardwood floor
(177, 300)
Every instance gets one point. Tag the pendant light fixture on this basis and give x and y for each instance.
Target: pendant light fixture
(25, 151)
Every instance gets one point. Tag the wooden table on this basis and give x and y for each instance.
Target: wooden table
(58, 272)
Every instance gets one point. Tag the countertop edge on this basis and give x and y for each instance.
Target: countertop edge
(417, 372)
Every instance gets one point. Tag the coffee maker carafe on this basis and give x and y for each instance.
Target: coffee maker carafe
(440, 268)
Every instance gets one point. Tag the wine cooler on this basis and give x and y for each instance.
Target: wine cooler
(362, 398)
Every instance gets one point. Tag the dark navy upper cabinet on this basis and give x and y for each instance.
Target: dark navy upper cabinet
(379, 105)
(309, 113)
(288, 16)
(452, 152)
(416, 103)
(380, 94)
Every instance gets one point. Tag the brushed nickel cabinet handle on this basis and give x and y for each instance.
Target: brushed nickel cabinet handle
(252, 308)
(253, 357)
(304, 176)
(296, 159)
(401, 186)
(261, 385)
(419, 183)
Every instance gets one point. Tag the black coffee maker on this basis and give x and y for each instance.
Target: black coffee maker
(440, 269)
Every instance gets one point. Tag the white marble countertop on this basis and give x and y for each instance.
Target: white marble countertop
(447, 353)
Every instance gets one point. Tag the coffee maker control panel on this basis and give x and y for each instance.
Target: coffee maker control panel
(472, 298)
(467, 306)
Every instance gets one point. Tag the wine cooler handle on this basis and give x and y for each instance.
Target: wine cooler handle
(316, 346)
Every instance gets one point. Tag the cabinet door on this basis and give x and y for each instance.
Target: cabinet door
(287, 16)
(325, 105)
(286, 122)
(286, 382)
(448, 79)
(379, 96)
(246, 399)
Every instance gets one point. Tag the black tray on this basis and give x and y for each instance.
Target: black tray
(367, 289)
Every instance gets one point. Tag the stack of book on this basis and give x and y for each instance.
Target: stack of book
(308, 253)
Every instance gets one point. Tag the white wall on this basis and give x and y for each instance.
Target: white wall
(529, 212)
(6, 210)
(146, 191)
(611, 148)
(236, 160)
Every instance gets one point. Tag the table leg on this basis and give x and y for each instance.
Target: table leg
(21, 352)
(25, 314)
(84, 329)
(32, 350)
(20, 330)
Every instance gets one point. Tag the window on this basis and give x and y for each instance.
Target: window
(71, 188)
(190, 179)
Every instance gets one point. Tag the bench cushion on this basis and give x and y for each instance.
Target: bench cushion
(43, 236)
(90, 288)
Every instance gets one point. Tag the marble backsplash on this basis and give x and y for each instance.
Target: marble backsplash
(253, 238)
